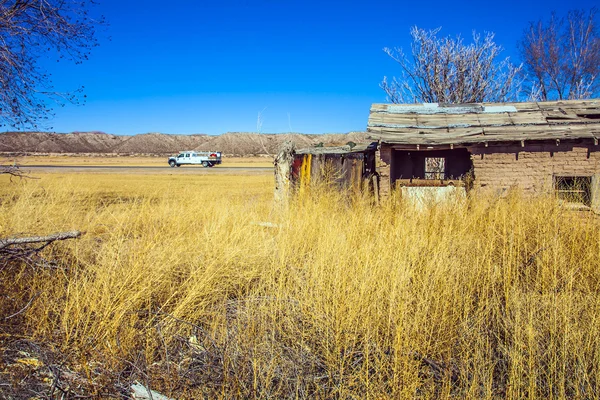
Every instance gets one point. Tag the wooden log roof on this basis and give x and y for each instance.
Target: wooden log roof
(441, 124)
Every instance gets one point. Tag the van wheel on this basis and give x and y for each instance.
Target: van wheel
(205, 164)
(172, 163)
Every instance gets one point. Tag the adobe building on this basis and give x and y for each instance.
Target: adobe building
(537, 146)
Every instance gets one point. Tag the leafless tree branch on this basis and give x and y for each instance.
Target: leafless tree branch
(446, 70)
(30, 29)
(562, 56)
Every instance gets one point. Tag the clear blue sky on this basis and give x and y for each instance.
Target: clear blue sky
(211, 66)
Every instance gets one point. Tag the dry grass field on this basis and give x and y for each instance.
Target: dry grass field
(179, 284)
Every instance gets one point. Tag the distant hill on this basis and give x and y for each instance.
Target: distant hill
(232, 143)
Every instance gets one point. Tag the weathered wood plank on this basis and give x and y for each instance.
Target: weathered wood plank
(442, 125)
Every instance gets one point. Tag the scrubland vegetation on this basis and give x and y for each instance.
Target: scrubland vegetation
(178, 283)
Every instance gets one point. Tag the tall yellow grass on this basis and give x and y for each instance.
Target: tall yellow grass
(178, 281)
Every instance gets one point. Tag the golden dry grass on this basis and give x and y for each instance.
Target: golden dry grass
(177, 283)
(131, 161)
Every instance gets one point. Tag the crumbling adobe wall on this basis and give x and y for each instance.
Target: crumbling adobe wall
(384, 160)
(532, 167)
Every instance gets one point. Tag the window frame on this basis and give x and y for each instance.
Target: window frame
(438, 174)
(566, 188)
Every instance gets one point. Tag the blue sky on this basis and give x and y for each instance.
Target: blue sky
(212, 66)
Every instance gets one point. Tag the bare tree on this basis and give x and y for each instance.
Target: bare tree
(446, 70)
(562, 56)
(29, 30)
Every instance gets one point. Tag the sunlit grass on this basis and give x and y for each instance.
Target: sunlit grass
(334, 298)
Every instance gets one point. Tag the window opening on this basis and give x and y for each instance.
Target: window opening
(573, 189)
(435, 167)
(589, 116)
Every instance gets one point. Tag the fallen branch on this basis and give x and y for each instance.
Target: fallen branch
(39, 239)
(28, 249)
(13, 171)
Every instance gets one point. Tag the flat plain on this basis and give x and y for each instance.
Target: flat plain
(123, 160)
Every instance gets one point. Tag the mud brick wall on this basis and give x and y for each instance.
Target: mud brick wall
(384, 160)
(533, 166)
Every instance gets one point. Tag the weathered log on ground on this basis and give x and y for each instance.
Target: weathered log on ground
(29, 249)
(39, 239)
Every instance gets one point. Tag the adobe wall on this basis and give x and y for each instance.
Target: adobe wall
(532, 167)
(384, 160)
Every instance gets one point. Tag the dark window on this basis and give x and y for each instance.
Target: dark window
(452, 164)
(435, 167)
(573, 189)
(589, 116)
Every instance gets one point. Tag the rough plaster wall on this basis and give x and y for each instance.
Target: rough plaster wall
(385, 160)
(532, 167)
